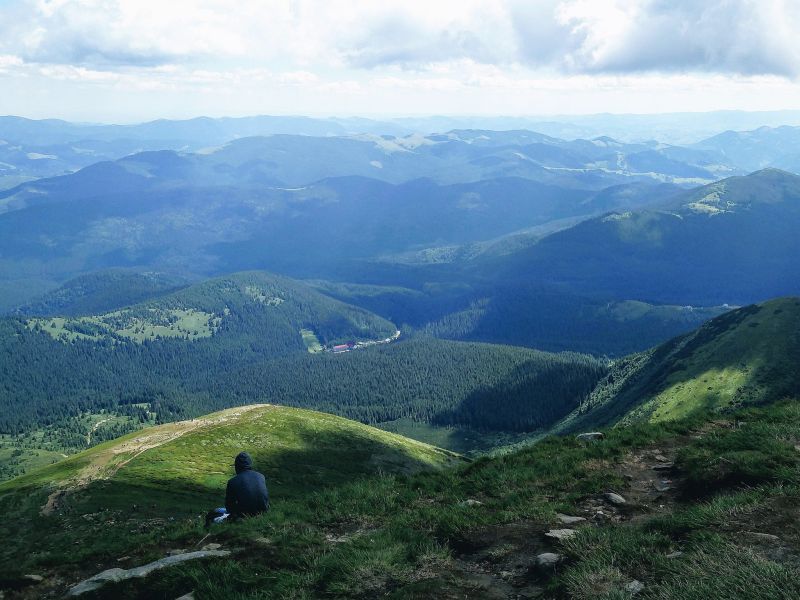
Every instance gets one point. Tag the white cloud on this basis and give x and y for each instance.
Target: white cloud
(725, 36)
(518, 56)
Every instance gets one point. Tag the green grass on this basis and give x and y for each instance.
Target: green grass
(393, 525)
(136, 326)
(745, 357)
(311, 341)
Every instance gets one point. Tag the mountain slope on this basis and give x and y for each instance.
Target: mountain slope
(148, 351)
(747, 356)
(734, 241)
(709, 511)
(102, 291)
(171, 473)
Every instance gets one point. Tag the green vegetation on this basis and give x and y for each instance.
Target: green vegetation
(59, 367)
(101, 292)
(135, 325)
(311, 341)
(747, 356)
(352, 518)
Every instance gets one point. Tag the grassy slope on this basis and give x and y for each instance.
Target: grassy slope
(132, 487)
(747, 356)
(411, 536)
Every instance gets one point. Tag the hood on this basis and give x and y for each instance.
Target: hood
(243, 462)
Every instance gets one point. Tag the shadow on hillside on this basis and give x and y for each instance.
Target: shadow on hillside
(531, 397)
(101, 519)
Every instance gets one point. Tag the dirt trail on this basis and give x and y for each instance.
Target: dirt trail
(106, 462)
(500, 561)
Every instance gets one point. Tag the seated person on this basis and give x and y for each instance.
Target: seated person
(246, 494)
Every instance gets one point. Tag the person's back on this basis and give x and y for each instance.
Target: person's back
(246, 494)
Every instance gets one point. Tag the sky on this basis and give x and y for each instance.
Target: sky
(134, 60)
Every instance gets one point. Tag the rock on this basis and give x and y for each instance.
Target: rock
(115, 575)
(661, 458)
(662, 486)
(600, 516)
(212, 547)
(561, 534)
(675, 554)
(548, 560)
(568, 520)
(594, 436)
(663, 466)
(634, 587)
(470, 502)
(189, 596)
(263, 541)
(33, 578)
(614, 498)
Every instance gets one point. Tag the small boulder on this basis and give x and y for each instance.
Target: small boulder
(561, 534)
(548, 560)
(675, 554)
(593, 436)
(211, 547)
(634, 587)
(189, 596)
(33, 578)
(569, 520)
(614, 498)
(661, 458)
(470, 502)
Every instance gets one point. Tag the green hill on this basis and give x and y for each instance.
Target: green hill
(174, 472)
(744, 357)
(710, 511)
(143, 353)
(733, 241)
(71, 382)
(102, 291)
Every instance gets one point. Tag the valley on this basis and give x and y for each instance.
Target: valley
(407, 331)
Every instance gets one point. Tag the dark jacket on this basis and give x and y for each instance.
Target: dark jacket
(246, 494)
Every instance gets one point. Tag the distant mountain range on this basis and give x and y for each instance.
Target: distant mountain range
(732, 242)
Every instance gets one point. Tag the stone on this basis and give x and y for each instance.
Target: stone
(662, 486)
(634, 587)
(470, 502)
(614, 498)
(675, 554)
(661, 458)
(189, 596)
(117, 574)
(569, 520)
(594, 436)
(212, 547)
(33, 578)
(548, 560)
(561, 534)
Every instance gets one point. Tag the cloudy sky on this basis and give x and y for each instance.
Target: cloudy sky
(129, 60)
